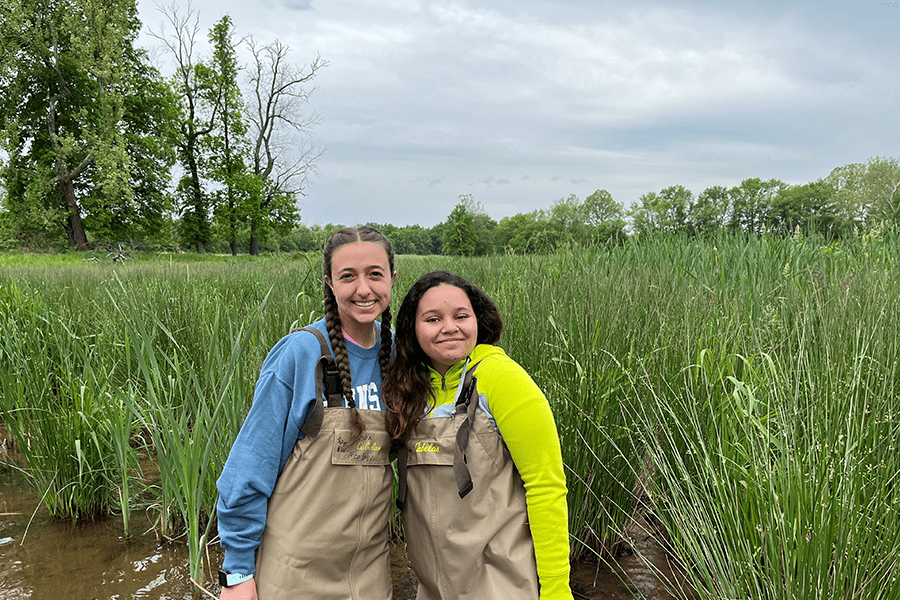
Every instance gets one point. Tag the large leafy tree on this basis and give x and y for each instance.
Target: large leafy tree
(751, 204)
(808, 208)
(868, 194)
(226, 149)
(468, 230)
(882, 190)
(848, 183)
(524, 233)
(484, 225)
(150, 132)
(68, 70)
(664, 212)
(198, 100)
(460, 237)
(600, 207)
(605, 217)
(709, 213)
(568, 221)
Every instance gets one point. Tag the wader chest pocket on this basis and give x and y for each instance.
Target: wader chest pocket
(428, 450)
(373, 448)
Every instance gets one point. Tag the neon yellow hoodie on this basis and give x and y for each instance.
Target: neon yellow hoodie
(522, 415)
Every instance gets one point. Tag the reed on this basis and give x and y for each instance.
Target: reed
(749, 386)
(191, 411)
(773, 469)
(56, 405)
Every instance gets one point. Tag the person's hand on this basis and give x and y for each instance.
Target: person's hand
(245, 590)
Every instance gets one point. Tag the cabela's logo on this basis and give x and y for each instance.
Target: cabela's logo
(427, 447)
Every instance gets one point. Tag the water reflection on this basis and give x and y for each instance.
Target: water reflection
(52, 559)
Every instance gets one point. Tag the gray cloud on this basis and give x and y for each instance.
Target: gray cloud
(521, 104)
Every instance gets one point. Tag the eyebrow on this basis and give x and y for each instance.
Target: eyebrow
(369, 268)
(456, 310)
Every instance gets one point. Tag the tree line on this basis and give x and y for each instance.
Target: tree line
(854, 198)
(97, 147)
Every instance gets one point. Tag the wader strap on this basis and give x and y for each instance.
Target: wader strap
(402, 472)
(328, 385)
(467, 403)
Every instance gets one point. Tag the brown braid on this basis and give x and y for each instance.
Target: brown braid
(387, 341)
(350, 235)
(336, 335)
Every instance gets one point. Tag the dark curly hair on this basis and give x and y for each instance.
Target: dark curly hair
(350, 235)
(407, 388)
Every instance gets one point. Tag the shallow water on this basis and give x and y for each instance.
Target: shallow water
(42, 558)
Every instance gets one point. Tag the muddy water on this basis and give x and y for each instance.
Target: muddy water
(40, 558)
(45, 559)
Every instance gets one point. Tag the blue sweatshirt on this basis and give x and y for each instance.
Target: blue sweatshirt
(281, 403)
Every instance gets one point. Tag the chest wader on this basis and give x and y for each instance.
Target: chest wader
(326, 534)
(464, 512)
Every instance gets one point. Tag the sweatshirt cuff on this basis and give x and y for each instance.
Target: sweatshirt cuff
(239, 562)
(556, 587)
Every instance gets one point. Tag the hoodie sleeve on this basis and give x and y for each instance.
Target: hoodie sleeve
(525, 421)
(282, 400)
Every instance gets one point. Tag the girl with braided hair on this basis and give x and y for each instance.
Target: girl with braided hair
(304, 496)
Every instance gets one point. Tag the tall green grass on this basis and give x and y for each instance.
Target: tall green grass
(749, 386)
(192, 412)
(59, 405)
(773, 440)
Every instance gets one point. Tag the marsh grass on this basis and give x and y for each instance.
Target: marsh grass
(56, 406)
(749, 386)
(192, 410)
(774, 448)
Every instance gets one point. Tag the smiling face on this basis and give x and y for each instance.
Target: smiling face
(361, 281)
(446, 327)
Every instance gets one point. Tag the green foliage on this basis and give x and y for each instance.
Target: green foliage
(192, 412)
(86, 123)
(460, 237)
(663, 212)
(523, 233)
(7, 232)
(149, 129)
(226, 150)
(596, 221)
(468, 231)
(568, 222)
(411, 239)
(809, 208)
(599, 208)
(751, 204)
(749, 383)
(882, 191)
(58, 405)
(65, 81)
(710, 211)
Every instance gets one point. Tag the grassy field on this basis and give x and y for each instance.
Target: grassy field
(750, 386)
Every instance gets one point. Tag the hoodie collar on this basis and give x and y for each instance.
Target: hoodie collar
(456, 373)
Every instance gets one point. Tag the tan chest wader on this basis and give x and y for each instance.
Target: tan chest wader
(464, 513)
(326, 533)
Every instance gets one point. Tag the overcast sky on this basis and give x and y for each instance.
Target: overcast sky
(520, 103)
